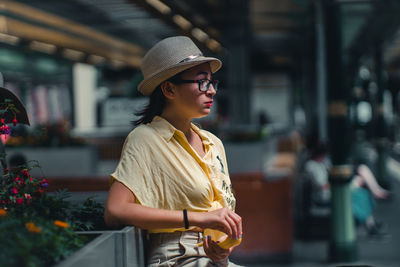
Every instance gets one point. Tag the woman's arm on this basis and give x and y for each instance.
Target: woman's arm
(121, 209)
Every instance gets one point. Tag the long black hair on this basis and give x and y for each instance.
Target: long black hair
(156, 104)
(154, 107)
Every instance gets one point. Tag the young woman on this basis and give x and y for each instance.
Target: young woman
(172, 178)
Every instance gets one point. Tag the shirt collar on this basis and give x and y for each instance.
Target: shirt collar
(167, 130)
(203, 135)
(163, 127)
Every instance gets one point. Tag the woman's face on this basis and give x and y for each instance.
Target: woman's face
(189, 100)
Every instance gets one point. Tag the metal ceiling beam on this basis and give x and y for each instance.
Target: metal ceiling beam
(381, 24)
(36, 25)
(167, 17)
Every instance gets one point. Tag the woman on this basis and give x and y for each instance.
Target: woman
(172, 178)
(364, 188)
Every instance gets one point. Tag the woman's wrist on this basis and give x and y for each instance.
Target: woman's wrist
(185, 219)
(194, 218)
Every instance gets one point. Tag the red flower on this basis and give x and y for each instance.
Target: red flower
(18, 180)
(19, 201)
(5, 129)
(2, 120)
(15, 121)
(13, 191)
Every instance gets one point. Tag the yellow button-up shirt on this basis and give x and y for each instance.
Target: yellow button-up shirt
(163, 171)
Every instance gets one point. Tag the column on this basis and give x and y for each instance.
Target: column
(238, 63)
(342, 243)
(321, 71)
(381, 139)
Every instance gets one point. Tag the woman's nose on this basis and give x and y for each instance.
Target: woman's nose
(211, 90)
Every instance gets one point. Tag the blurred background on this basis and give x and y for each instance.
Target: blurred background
(296, 73)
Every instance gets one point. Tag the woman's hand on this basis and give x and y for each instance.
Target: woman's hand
(213, 251)
(223, 220)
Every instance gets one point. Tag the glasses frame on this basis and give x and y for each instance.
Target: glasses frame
(200, 82)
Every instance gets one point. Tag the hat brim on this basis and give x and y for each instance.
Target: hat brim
(147, 86)
(21, 115)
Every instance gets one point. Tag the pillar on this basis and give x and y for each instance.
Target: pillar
(238, 63)
(342, 241)
(381, 139)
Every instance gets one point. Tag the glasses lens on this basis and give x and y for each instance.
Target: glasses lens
(215, 84)
(205, 85)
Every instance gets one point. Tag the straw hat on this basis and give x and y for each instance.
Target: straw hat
(170, 57)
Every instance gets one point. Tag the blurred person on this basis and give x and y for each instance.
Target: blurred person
(363, 188)
(172, 178)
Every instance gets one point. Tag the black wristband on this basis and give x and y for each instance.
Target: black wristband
(185, 219)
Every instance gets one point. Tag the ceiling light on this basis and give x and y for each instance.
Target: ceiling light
(199, 34)
(95, 59)
(213, 45)
(117, 63)
(160, 6)
(182, 22)
(42, 47)
(72, 54)
(9, 39)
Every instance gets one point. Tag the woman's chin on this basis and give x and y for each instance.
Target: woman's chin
(199, 117)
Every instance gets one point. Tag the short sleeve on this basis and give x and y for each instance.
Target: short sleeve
(133, 168)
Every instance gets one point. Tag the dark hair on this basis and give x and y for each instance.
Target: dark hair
(154, 107)
(156, 103)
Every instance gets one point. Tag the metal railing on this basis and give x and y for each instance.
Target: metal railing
(123, 248)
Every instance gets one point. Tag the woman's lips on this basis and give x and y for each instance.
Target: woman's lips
(209, 104)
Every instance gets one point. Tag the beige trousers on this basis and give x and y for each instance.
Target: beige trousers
(180, 249)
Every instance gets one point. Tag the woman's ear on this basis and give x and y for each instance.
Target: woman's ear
(168, 89)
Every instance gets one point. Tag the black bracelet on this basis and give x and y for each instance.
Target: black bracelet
(185, 219)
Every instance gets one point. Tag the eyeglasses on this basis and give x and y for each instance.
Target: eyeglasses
(204, 84)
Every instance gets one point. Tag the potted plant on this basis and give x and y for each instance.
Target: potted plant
(38, 229)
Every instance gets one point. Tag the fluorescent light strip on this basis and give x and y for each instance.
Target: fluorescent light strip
(9, 39)
(199, 34)
(213, 45)
(117, 63)
(160, 6)
(72, 54)
(42, 47)
(183, 23)
(95, 59)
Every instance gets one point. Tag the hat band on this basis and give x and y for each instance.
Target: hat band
(191, 57)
